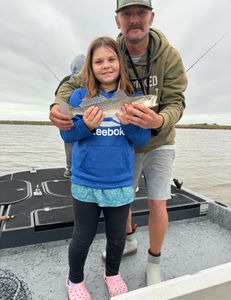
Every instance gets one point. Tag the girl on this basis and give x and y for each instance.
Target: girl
(102, 167)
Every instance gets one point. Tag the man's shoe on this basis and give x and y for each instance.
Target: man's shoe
(131, 246)
(67, 173)
(153, 270)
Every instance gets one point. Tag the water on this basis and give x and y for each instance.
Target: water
(203, 157)
(203, 162)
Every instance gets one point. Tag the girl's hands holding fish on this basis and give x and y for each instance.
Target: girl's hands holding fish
(123, 120)
(93, 117)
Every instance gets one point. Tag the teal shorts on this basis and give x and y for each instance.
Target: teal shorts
(103, 197)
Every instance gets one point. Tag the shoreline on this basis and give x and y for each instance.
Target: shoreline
(184, 126)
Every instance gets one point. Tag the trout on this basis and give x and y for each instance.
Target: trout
(109, 106)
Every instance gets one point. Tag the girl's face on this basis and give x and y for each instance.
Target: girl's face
(106, 68)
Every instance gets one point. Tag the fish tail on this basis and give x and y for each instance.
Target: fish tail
(65, 108)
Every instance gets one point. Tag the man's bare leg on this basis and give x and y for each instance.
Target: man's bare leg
(158, 224)
(129, 222)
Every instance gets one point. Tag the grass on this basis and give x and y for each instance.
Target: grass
(204, 126)
(26, 122)
(192, 126)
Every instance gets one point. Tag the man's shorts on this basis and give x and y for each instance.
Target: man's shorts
(156, 167)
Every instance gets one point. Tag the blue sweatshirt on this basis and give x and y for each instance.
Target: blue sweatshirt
(103, 158)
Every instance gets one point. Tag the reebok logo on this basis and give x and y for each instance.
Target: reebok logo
(109, 132)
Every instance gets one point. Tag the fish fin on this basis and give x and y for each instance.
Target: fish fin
(65, 108)
(119, 94)
(88, 102)
(116, 120)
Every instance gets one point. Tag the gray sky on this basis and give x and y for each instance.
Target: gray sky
(55, 31)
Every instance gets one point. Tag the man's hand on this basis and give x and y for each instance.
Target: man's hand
(142, 116)
(93, 117)
(60, 120)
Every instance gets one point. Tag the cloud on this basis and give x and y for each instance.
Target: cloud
(24, 110)
(55, 31)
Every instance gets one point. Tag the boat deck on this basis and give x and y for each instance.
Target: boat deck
(199, 237)
(41, 204)
(190, 246)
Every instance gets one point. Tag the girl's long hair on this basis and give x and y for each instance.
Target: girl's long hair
(89, 79)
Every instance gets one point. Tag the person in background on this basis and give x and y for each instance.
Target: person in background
(102, 167)
(154, 67)
(76, 66)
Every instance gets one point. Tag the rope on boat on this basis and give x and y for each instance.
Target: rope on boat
(12, 288)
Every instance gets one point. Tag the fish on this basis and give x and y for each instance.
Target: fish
(109, 106)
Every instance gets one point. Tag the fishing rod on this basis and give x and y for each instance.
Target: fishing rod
(47, 67)
(204, 54)
(176, 181)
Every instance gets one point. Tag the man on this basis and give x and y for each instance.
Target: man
(76, 66)
(155, 67)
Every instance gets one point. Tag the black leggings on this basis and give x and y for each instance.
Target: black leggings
(86, 217)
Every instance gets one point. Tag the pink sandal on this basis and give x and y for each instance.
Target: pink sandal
(78, 291)
(115, 285)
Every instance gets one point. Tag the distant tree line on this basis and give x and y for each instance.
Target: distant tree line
(193, 126)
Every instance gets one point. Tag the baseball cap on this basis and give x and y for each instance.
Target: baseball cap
(124, 3)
